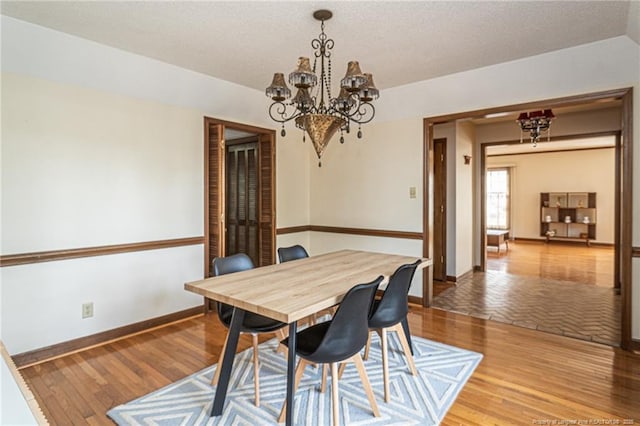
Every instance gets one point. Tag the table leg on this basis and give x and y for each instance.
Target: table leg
(291, 366)
(227, 362)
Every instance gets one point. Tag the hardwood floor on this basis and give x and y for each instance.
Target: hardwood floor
(525, 376)
(556, 260)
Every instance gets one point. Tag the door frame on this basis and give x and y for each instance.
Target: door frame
(624, 244)
(269, 167)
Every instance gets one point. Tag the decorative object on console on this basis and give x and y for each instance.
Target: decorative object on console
(536, 123)
(314, 114)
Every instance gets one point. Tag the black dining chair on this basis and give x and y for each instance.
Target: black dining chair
(286, 254)
(338, 341)
(389, 314)
(252, 323)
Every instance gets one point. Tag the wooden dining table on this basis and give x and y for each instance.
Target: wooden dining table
(288, 292)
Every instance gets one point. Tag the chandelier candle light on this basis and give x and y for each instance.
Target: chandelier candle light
(535, 122)
(313, 108)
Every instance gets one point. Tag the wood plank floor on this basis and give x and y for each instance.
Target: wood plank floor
(555, 260)
(525, 376)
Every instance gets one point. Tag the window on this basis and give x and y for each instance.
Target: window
(498, 200)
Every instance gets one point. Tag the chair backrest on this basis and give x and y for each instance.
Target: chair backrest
(394, 305)
(347, 334)
(228, 265)
(286, 254)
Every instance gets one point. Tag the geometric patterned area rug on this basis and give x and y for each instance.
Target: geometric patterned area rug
(424, 399)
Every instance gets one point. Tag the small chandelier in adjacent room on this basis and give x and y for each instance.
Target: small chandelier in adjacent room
(313, 108)
(536, 123)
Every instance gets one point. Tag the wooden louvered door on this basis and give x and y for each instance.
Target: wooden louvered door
(214, 193)
(241, 217)
(267, 198)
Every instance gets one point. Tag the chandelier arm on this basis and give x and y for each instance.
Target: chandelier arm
(279, 112)
(361, 113)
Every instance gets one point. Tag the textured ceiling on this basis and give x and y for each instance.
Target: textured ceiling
(399, 42)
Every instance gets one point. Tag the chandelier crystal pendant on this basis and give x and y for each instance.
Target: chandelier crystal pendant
(314, 110)
(536, 123)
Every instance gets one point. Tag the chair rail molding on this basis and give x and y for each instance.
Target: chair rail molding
(74, 253)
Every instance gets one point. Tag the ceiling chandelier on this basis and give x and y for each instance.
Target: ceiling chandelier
(313, 108)
(536, 123)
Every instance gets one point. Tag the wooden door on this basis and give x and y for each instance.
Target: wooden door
(440, 209)
(267, 198)
(214, 193)
(241, 218)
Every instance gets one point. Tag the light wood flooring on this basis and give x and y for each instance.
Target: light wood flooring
(525, 376)
(555, 260)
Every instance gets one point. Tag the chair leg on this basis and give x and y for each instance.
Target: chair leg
(299, 372)
(256, 369)
(366, 348)
(281, 334)
(407, 333)
(341, 370)
(366, 384)
(385, 364)
(323, 386)
(406, 348)
(216, 376)
(335, 408)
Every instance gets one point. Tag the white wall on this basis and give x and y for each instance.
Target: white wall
(84, 168)
(99, 147)
(569, 171)
(293, 189)
(364, 183)
(460, 142)
(43, 302)
(465, 140)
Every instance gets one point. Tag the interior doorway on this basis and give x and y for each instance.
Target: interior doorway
(239, 199)
(623, 243)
